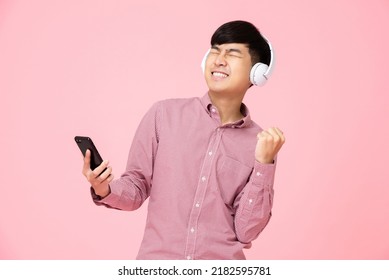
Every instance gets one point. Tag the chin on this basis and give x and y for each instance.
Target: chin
(217, 87)
(218, 90)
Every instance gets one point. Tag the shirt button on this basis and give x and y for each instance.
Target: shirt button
(203, 178)
(250, 201)
(213, 110)
(188, 257)
(192, 230)
(197, 204)
(259, 173)
(210, 153)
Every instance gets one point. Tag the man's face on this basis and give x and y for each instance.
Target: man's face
(227, 68)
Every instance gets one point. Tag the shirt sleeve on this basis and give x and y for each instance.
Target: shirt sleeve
(133, 187)
(254, 203)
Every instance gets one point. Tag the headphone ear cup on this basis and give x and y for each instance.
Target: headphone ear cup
(258, 74)
(204, 60)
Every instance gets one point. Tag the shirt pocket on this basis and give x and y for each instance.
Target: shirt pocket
(231, 178)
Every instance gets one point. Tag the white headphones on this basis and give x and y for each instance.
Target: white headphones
(260, 72)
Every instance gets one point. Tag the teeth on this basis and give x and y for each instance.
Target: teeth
(218, 74)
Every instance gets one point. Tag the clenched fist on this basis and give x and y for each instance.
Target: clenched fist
(269, 143)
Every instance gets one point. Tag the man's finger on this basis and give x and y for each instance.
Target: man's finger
(110, 178)
(277, 134)
(280, 133)
(263, 134)
(106, 175)
(86, 166)
(99, 169)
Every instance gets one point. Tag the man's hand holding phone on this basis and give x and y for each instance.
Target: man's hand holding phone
(100, 177)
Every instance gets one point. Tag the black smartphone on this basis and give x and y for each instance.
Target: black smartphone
(85, 143)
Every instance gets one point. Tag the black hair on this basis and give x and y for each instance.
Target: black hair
(243, 32)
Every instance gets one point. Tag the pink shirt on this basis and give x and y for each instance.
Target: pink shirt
(208, 196)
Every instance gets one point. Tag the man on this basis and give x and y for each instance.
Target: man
(206, 167)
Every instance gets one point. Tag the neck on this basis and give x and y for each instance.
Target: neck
(228, 107)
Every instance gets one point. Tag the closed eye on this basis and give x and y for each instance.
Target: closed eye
(234, 52)
(230, 52)
(215, 50)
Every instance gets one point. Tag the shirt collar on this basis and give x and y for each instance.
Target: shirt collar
(212, 112)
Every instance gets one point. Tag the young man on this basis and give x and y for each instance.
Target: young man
(206, 167)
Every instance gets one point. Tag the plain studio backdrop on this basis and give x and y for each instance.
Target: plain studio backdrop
(95, 67)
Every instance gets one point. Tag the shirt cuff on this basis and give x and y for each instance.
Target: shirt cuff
(100, 200)
(263, 174)
(95, 197)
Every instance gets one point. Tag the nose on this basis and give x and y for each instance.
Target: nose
(220, 59)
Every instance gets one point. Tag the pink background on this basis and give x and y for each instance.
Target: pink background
(94, 67)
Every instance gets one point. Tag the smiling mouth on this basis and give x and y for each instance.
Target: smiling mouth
(219, 75)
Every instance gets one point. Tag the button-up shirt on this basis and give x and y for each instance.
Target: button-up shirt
(208, 196)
